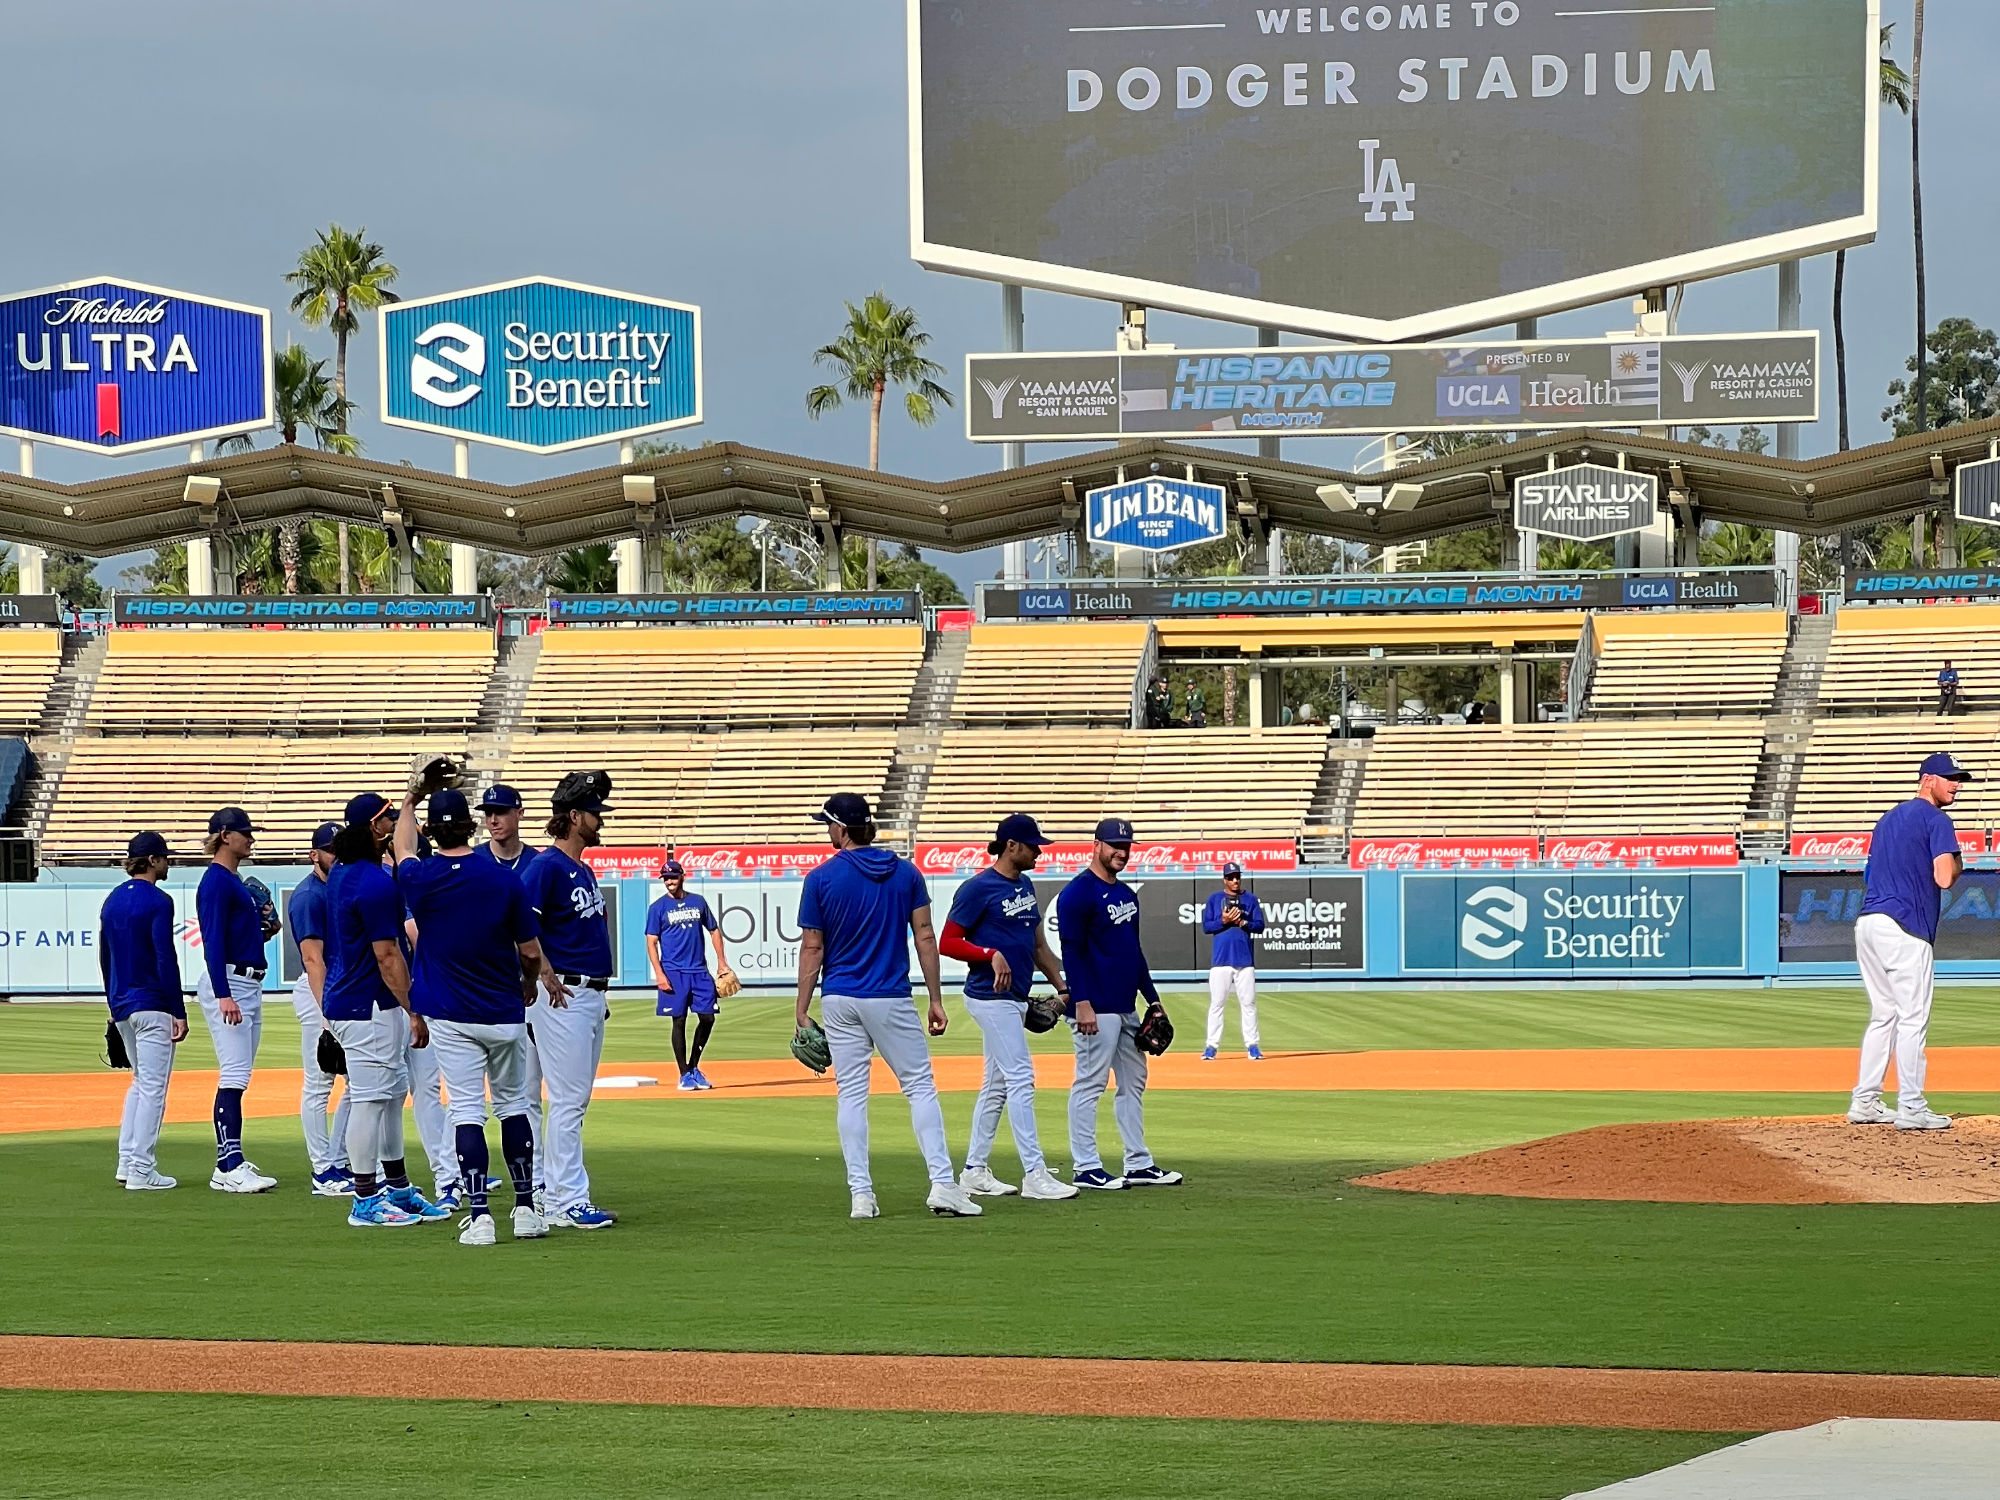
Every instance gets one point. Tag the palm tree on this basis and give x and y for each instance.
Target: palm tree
(880, 347)
(337, 276)
(1893, 85)
(1917, 212)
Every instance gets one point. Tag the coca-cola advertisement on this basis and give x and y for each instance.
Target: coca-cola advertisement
(1852, 848)
(1412, 852)
(1255, 855)
(709, 861)
(1668, 851)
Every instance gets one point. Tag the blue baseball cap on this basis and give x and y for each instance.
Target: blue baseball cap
(848, 809)
(146, 845)
(1021, 829)
(1943, 765)
(231, 820)
(324, 835)
(366, 808)
(1232, 868)
(448, 805)
(672, 870)
(1113, 831)
(500, 797)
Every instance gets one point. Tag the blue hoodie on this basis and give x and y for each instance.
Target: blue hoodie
(862, 900)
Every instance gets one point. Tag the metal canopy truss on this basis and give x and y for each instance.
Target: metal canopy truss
(725, 480)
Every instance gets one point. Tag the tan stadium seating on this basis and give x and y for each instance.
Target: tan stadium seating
(115, 786)
(689, 676)
(1050, 674)
(1884, 659)
(1687, 664)
(261, 682)
(1441, 781)
(740, 787)
(1857, 769)
(29, 660)
(1172, 783)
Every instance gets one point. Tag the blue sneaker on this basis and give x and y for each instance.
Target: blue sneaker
(1152, 1177)
(688, 1084)
(1097, 1177)
(1208, 1054)
(416, 1205)
(701, 1079)
(494, 1184)
(1256, 1054)
(583, 1216)
(334, 1182)
(377, 1212)
(451, 1200)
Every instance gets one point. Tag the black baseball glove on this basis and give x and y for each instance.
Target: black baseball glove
(114, 1046)
(1043, 1012)
(580, 786)
(1156, 1032)
(332, 1056)
(267, 909)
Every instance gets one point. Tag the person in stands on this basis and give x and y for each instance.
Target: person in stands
(1947, 686)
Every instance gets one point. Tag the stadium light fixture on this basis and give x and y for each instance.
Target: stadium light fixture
(1403, 497)
(1337, 498)
(201, 490)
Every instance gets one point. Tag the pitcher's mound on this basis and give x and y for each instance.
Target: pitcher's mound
(1805, 1159)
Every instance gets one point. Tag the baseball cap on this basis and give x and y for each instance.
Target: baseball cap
(672, 868)
(324, 835)
(366, 808)
(1113, 831)
(848, 809)
(499, 797)
(230, 820)
(1943, 765)
(448, 805)
(1232, 868)
(146, 845)
(1021, 829)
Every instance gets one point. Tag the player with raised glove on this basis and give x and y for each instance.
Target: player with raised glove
(434, 773)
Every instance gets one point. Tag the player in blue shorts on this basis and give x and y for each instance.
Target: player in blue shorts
(674, 925)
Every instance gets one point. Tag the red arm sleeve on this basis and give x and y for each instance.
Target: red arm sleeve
(954, 944)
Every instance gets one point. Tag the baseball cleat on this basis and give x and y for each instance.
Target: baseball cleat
(701, 1079)
(950, 1201)
(416, 1205)
(1874, 1112)
(377, 1212)
(148, 1182)
(1208, 1054)
(582, 1216)
(451, 1200)
(242, 1179)
(687, 1085)
(864, 1207)
(1923, 1117)
(124, 1171)
(981, 1183)
(1255, 1054)
(529, 1225)
(477, 1229)
(1044, 1186)
(334, 1182)
(1097, 1177)
(1152, 1177)
(494, 1184)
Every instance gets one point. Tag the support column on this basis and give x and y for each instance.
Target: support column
(1014, 555)
(28, 560)
(1257, 699)
(631, 566)
(1785, 549)
(1526, 546)
(200, 555)
(1509, 687)
(464, 559)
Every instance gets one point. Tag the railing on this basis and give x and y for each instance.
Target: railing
(1580, 667)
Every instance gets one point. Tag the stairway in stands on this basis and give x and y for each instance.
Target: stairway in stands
(55, 733)
(500, 709)
(1331, 810)
(928, 716)
(1787, 734)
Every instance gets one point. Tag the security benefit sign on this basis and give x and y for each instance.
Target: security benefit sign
(1573, 924)
(541, 365)
(1586, 502)
(1156, 514)
(119, 367)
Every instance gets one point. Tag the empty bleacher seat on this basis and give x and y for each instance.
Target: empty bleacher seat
(1051, 674)
(29, 660)
(688, 676)
(1857, 769)
(1687, 664)
(1885, 659)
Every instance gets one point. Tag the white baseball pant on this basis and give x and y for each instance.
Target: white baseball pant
(1111, 1052)
(1897, 971)
(235, 1046)
(433, 1130)
(854, 1029)
(149, 1042)
(570, 1041)
(536, 1010)
(468, 1054)
(1009, 1085)
(1220, 981)
(378, 1080)
(326, 1146)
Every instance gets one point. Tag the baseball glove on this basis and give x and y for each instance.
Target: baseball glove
(434, 773)
(114, 1046)
(267, 909)
(809, 1046)
(580, 786)
(1155, 1033)
(727, 985)
(332, 1056)
(1043, 1012)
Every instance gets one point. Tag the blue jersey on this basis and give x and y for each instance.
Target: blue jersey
(862, 900)
(679, 926)
(306, 908)
(1902, 883)
(1000, 914)
(1232, 943)
(472, 916)
(518, 864)
(135, 951)
(363, 909)
(232, 932)
(1098, 922)
(576, 936)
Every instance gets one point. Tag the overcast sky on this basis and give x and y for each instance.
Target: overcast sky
(748, 157)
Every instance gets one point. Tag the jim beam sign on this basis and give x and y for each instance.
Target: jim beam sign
(1586, 502)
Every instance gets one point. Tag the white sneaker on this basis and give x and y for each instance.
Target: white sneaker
(1044, 1186)
(949, 1200)
(529, 1224)
(148, 1182)
(864, 1207)
(241, 1179)
(1874, 1112)
(981, 1182)
(477, 1229)
(1923, 1117)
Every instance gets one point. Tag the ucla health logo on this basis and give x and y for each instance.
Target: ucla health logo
(1492, 913)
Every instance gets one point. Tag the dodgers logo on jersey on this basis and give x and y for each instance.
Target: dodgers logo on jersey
(1121, 912)
(1020, 904)
(588, 901)
(680, 916)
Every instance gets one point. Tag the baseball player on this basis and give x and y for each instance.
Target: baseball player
(501, 806)
(478, 962)
(306, 908)
(1097, 916)
(576, 951)
(142, 985)
(674, 925)
(853, 914)
(995, 928)
(1911, 860)
(366, 1001)
(1232, 917)
(230, 990)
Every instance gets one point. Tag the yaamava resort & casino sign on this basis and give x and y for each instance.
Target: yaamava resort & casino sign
(540, 364)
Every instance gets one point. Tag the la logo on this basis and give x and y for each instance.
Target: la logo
(1383, 186)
